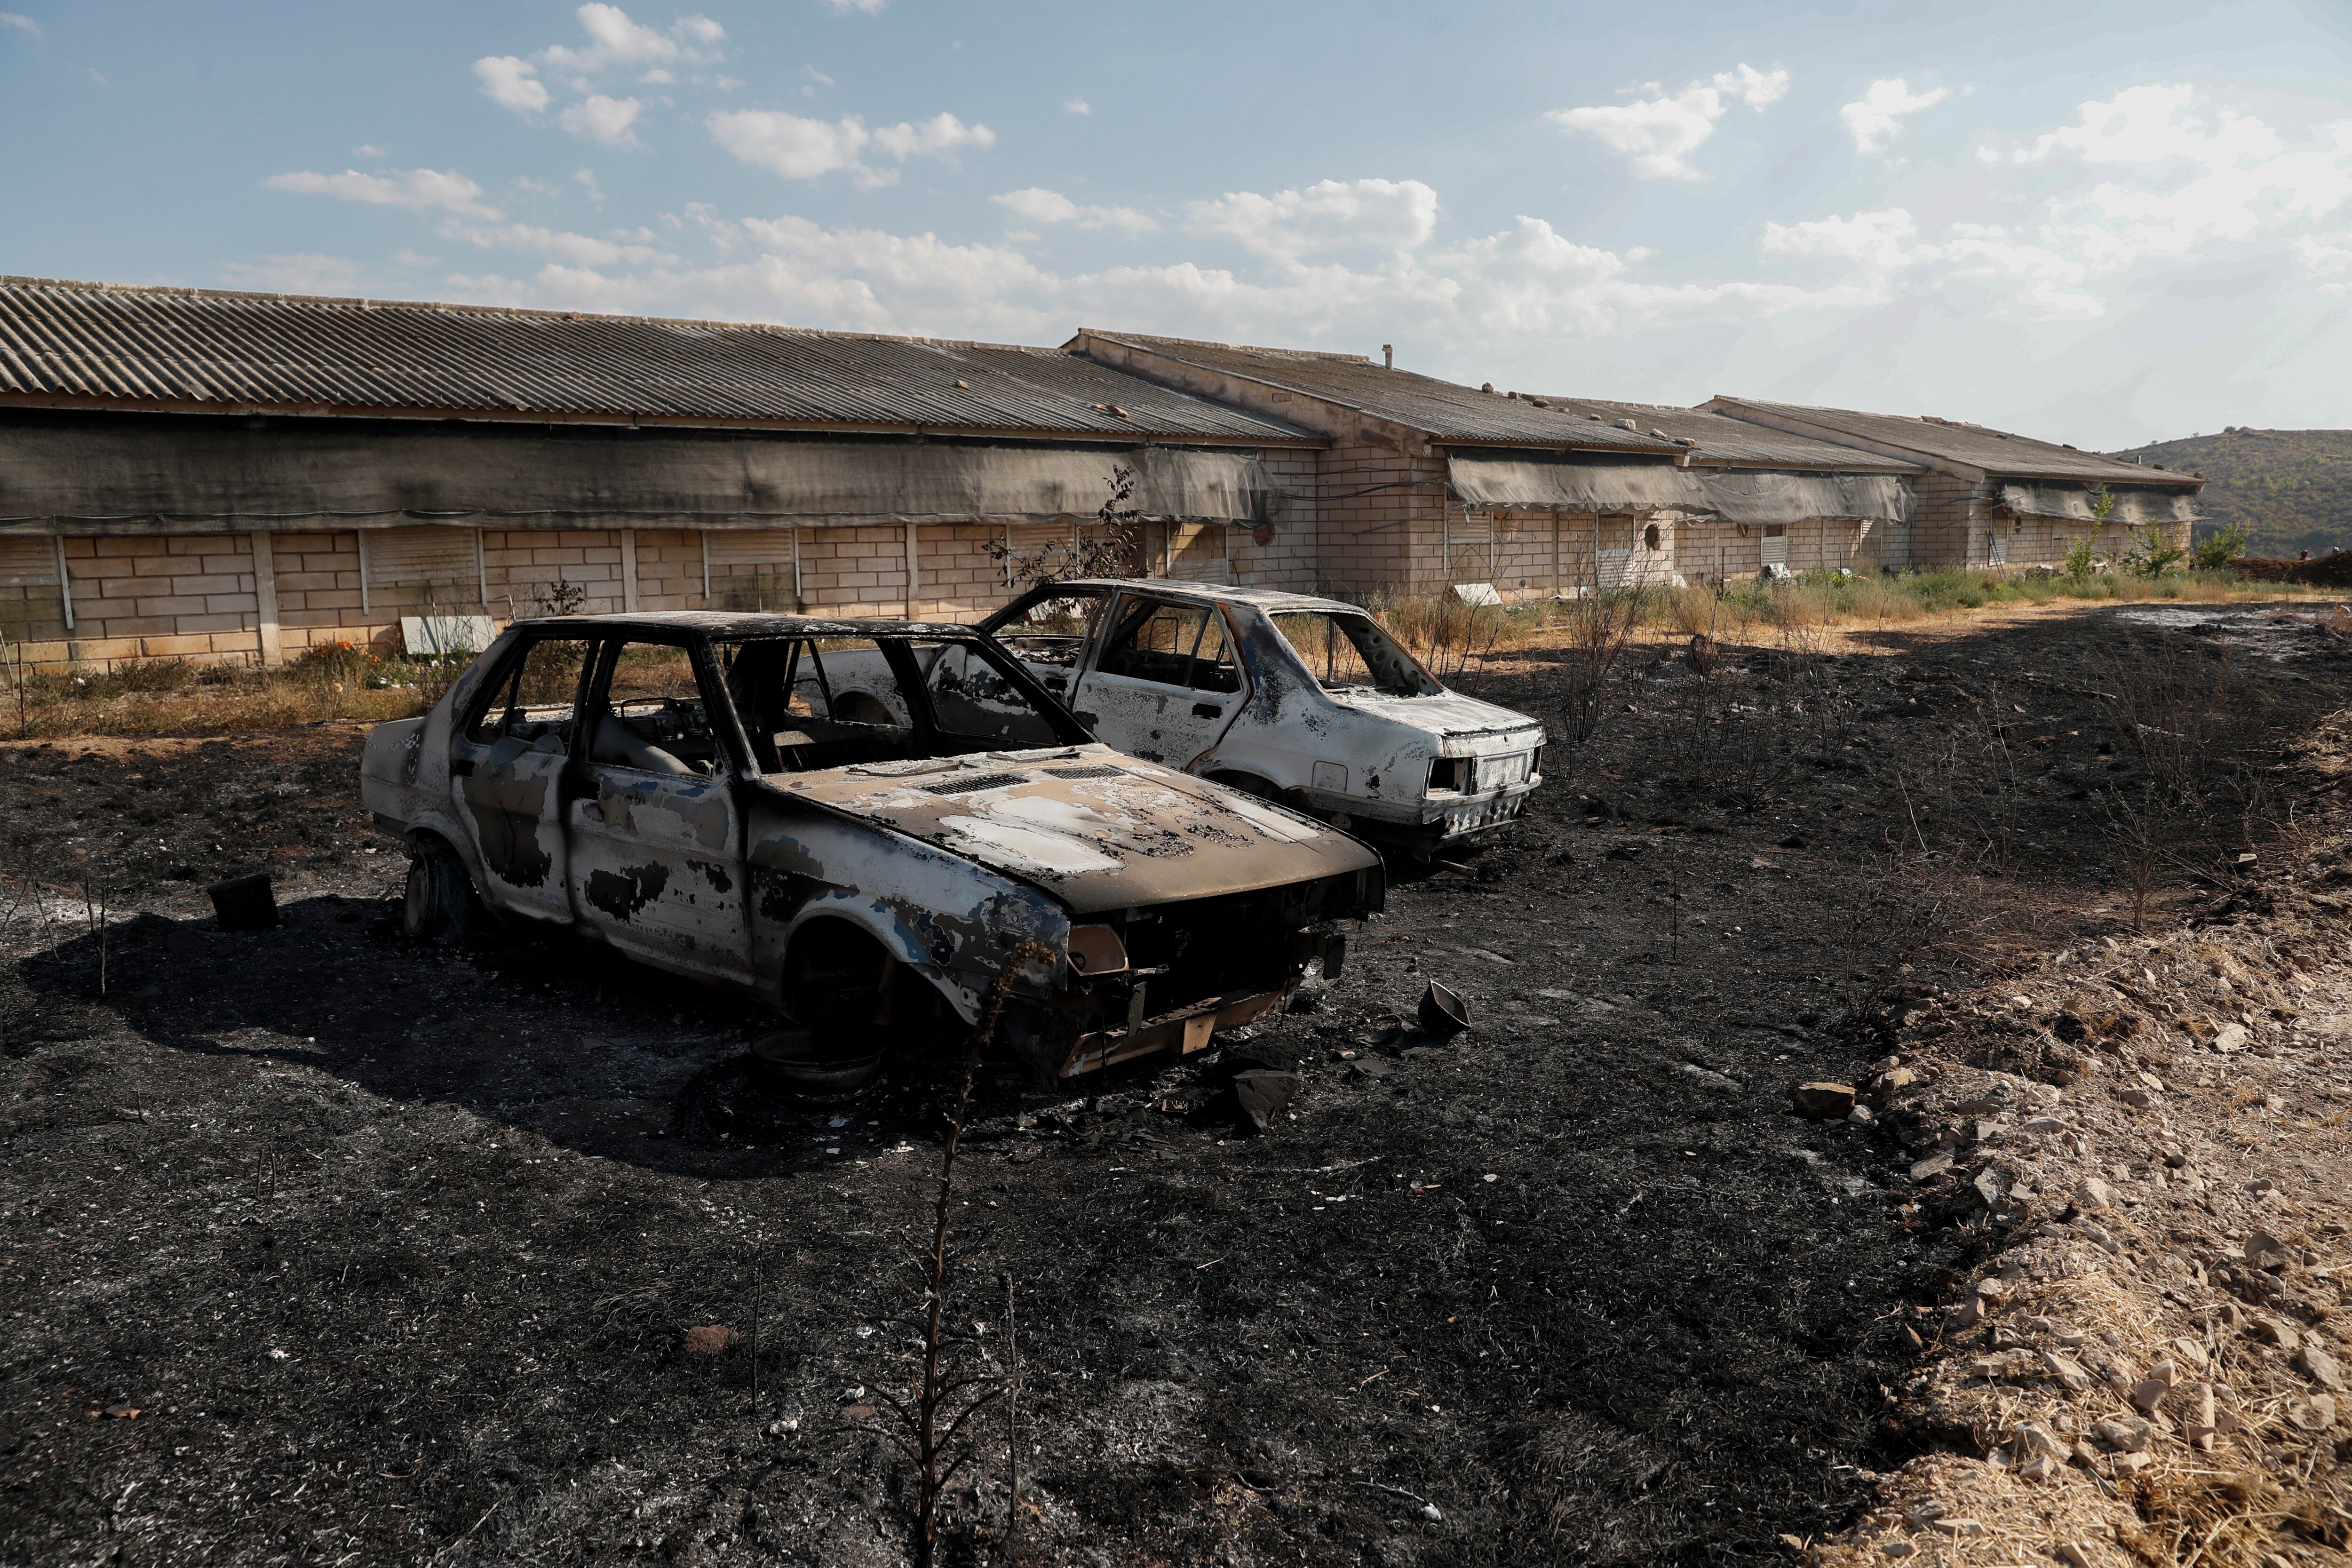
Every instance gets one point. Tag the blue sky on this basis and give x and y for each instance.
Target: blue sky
(2102, 224)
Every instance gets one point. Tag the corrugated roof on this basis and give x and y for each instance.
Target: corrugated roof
(1443, 410)
(1722, 441)
(124, 344)
(1999, 452)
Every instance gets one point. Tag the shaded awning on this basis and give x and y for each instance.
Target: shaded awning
(1573, 482)
(2077, 502)
(203, 470)
(1758, 496)
(1599, 484)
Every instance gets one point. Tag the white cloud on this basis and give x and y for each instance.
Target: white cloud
(2328, 258)
(1037, 204)
(22, 24)
(597, 117)
(1331, 214)
(804, 148)
(867, 7)
(414, 188)
(1077, 106)
(615, 39)
(1877, 117)
(1659, 133)
(938, 137)
(586, 179)
(796, 147)
(574, 250)
(510, 83)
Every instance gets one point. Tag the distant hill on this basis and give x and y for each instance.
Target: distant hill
(2292, 489)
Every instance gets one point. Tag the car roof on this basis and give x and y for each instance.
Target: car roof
(751, 624)
(1271, 600)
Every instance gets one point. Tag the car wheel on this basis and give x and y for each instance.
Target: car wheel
(438, 911)
(844, 985)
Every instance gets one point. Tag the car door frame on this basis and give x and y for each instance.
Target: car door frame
(1085, 702)
(1067, 691)
(672, 876)
(513, 880)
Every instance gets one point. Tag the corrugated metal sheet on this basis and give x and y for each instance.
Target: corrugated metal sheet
(1443, 410)
(186, 347)
(1722, 441)
(1997, 452)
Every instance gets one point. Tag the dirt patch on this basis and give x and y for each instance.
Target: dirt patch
(404, 1253)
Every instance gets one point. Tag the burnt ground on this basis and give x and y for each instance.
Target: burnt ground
(325, 1250)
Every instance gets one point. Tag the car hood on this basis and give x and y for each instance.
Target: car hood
(1449, 715)
(1097, 829)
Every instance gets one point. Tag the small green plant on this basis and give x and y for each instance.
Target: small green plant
(2220, 547)
(2083, 558)
(2153, 554)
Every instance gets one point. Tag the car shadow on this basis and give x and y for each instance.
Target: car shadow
(548, 1035)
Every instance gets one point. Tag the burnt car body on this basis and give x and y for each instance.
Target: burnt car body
(700, 791)
(1303, 699)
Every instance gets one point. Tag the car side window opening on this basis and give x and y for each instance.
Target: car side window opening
(647, 711)
(1350, 651)
(814, 704)
(1054, 630)
(1154, 641)
(1213, 669)
(533, 701)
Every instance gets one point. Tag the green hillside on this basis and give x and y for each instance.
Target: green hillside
(2292, 489)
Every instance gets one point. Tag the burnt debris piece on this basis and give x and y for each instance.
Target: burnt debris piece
(1444, 1011)
(245, 903)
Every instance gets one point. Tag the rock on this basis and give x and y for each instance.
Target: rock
(2320, 1367)
(2035, 1439)
(2125, 1464)
(2149, 1393)
(2085, 1455)
(1961, 1526)
(2137, 1098)
(2188, 1350)
(2127, 1434)
(2317, 1414)
(1898, 1547)
(710, 1338)
(1860, 1116)
(2277, 1331)
(2199, 1430)
(2043, 1126)
(2066, 1371)
(2265, 1250)
(1991, 1186)
(2041, 1467)
(1933, 1166)
(1429, 1511)
(1823, 1101)
(2232, 1037)
(1261, 1095)
(2077, 1554)
(2092, 1195)
(1894, 1078)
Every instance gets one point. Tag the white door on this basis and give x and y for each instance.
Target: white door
(1164, 683)
(1776, 546)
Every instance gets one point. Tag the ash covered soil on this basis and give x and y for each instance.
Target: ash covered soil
(322, 1249)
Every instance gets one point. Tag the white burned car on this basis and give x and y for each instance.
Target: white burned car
(708, 795)
(1300, 699)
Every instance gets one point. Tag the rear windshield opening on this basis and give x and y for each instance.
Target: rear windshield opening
(1349, 652)
(814, 704)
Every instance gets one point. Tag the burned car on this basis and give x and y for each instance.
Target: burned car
(1301, 700)
(706, 794)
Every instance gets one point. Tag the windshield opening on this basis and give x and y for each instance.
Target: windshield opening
(1348, 651)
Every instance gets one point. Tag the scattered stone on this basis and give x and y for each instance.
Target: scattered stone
(2320, 1367)
(2232, 1037)
(2189, 1350)
(2041, 1467)
(2092, 1195)
(2277, 1331)
(1896, 1548)
(2317, 1414)
(2129, 1435)
(2202, 1430)
(2035, 1439)
(2137, 1098)
(2077, 1554)
(1895, 1078)
(2066, 1371)
(1860, 1116)
(1263, 1094)
(2148, 1394)
(1823, 1101)
(2125, 1464)
(1933, 1166)
(2265, 1250)
(710, 1338)
(1961, 1526)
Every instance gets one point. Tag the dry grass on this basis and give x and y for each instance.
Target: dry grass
(175, 697)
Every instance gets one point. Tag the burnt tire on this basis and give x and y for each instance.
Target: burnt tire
(438, 909)
(843, 986)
